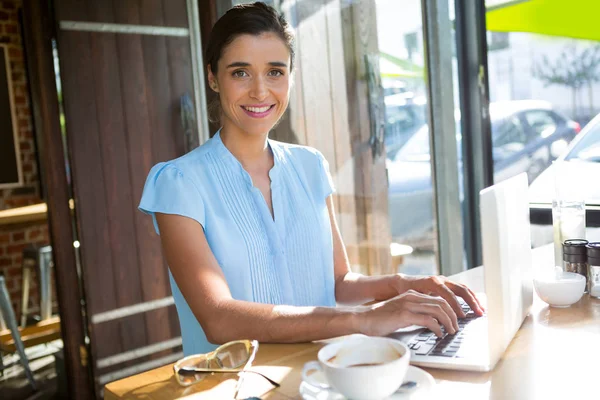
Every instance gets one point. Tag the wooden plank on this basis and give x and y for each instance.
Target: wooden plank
(158, 83)
(114, 157)
(31, 340)
(51, 323)
(137, 122)
(344, 167)
(42, 332)
(207, 13)
(360, 39)
(316, 85)
(181, 80)
(35, 212)
(163, 111)
(66, 14)
(82, 120)
(292, 128)
(356, 144)
(38, 30)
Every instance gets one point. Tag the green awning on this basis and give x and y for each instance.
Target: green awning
(394, 67)
(578, 19)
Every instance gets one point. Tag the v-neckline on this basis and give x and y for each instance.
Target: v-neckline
(273, 174)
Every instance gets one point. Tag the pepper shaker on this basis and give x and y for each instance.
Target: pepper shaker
(575, 258)
(593, 253)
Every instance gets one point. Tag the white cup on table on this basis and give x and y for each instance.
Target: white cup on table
(361, 367)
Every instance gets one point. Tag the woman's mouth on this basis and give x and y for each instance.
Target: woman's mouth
(258, 111)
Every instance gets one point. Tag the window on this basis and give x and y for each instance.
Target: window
(509, 132)
(588, 148)
(541, 122)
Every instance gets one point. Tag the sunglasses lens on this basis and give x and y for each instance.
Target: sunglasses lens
(233, 356)
(185, 376)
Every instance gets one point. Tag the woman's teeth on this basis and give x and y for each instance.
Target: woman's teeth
(257, 109)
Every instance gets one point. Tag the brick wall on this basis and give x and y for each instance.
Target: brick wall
(13, 238)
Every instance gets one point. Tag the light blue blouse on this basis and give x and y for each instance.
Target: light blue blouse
(287, 259)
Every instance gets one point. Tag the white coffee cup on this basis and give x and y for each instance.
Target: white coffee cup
(361, 367)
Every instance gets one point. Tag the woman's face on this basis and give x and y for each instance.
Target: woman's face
(253, 82)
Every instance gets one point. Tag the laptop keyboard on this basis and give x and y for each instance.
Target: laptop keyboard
(428, 344)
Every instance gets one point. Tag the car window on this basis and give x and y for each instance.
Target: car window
(588, 148)
(402, 116)
(542, 123)
(508, 132)
(388, 91)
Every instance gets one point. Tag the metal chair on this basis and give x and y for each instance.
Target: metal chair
(40, 257)
(7, 314)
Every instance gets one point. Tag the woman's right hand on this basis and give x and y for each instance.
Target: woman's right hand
(406, 309)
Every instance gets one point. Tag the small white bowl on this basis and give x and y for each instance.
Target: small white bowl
(560, 290)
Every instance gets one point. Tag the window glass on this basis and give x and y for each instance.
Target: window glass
(542, 123)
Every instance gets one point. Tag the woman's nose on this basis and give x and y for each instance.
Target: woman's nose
(259, 89)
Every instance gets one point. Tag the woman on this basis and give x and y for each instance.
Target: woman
(247, 224)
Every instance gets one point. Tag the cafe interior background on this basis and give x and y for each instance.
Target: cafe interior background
(417, 105)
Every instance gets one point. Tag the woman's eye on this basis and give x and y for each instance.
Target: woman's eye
(239, 74)
(275, 72)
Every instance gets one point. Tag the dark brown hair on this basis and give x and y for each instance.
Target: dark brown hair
(244, 19)
(247, 19)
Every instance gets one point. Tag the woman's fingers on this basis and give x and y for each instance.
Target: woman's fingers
(467, 295)
(435, 311)
(481, 307)
(425, 320)
(441, 302)
(448, 295)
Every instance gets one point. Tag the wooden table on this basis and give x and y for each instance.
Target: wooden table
(555, 354)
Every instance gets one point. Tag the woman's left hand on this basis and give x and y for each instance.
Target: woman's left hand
(443, 287)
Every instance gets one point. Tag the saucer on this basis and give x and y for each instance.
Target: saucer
(425, 384)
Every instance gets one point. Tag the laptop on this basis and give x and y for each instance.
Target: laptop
(507, 270)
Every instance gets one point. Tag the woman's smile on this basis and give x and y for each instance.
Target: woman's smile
(258, 111)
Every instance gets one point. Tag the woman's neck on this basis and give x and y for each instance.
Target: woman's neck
(250, 150)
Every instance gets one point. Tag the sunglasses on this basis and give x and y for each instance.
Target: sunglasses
(236, 356)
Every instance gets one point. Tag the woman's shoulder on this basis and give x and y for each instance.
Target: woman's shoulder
(188, 164)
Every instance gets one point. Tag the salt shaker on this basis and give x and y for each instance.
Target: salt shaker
(593, 253)
(575, 257)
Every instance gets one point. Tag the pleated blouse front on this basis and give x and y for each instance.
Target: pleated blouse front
(285, 259)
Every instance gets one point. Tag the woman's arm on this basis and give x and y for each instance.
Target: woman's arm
(223, 318)
(353, 288)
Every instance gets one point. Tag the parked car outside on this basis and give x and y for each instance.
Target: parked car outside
(403, 120)
(405, 114)
(583, 155)
(526, 137)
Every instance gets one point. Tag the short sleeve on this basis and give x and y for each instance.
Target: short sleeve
(326, 181)
(169, 191)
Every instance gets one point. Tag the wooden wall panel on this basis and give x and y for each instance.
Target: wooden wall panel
(344, 167)
(137, 125)
(373, 195)
(88, 175)
(161, 6)
(329, 110)
(122, 106)
(165, 129)
(114, 157)
(38, 27)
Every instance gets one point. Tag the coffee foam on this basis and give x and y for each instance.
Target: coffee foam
(365, 352)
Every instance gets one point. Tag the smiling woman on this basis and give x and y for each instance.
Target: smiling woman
(248, 226)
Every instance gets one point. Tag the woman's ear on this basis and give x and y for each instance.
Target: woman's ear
(212, 80)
